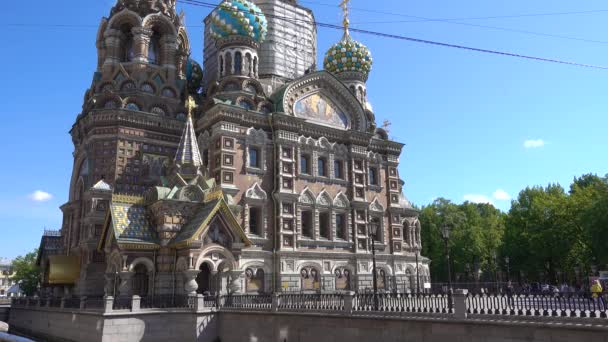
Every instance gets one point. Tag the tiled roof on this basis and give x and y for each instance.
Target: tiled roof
(130, 224)
(203, 215)
(187, 151)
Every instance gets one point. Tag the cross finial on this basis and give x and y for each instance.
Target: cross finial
(190, 105)
(346, 22)
(386, 126)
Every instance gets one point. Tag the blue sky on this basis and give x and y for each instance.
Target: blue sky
(464, 116)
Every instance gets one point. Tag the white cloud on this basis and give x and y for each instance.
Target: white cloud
(501, 195)
(534, 143)
(475, 198)
(40, 196)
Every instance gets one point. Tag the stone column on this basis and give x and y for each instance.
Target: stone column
(125, 287)
(108, 288)
(112, 38)
(190, 284)
(460, 303)
(141, 41)
(168, 50)
(349, 298)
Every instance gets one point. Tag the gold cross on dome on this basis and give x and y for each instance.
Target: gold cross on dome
(346, 22)
(190, 105)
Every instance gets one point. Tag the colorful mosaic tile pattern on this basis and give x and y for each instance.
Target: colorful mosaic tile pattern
(239, 18)
(348, 55)
(130, 223)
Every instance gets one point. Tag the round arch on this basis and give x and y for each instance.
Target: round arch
(144, 261)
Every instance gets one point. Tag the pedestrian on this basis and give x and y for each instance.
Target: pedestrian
(596, 294)
(510, 292)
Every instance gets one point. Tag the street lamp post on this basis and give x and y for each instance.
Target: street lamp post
(446, 236)
(372, 234)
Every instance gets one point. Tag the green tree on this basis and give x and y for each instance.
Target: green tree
(27, 274)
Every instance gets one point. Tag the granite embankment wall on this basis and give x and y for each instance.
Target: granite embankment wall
(61, 325)
(282, 327)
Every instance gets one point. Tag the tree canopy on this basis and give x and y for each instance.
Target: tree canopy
(548, 233)
(27, 274)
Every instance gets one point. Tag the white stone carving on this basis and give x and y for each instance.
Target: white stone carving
(256, 192)
(341, 201)
(376, 206)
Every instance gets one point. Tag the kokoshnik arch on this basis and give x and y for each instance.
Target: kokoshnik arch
(256, 173)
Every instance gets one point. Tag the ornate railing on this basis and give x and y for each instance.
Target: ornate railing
(568, 305)
(460, 305)
(420, 303)
(258, 301)
(311, 302)
(167, 301)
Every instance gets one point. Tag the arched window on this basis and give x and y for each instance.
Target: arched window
(255, 66)
(128, 86)
(154, 49)
(248, 67)
(128, 54)
(238, 63)
(147, 88)
(140, 280)
(228, 64)
(167, 92)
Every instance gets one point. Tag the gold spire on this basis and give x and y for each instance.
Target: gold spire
(190, 105)
(346, 21)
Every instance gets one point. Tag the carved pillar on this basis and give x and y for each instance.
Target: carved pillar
(112, 39)
(125, 287)
(190, 284)
(168, 54)
(141, 41)
(108, 288)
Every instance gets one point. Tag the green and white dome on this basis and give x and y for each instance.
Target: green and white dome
(348, 55)
(238, 18)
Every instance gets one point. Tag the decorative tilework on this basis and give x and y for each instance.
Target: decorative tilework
(130, 223)
(240, 18)
(187, 151)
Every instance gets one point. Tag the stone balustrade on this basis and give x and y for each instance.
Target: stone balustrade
(459, 305)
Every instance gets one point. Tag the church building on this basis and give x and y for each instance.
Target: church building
(255, 173)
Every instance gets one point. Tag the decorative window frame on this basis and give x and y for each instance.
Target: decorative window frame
(374, 160)
(256, 197)
(341, 206)
(306, 146)
(256, 138)
(376, 210)
(306, 202)
(324, 205)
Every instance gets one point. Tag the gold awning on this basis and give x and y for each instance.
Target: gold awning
(64, 269)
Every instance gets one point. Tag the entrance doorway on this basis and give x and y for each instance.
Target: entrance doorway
(203, 279)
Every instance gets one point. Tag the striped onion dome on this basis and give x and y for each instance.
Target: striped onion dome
(238, 18)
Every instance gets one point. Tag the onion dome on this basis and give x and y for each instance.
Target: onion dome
(238, 18)
(348, 55)
(194, 74)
